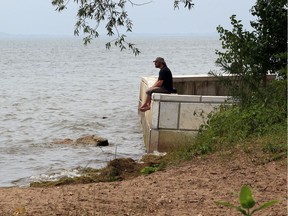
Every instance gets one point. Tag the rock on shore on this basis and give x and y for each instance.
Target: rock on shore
(85, 140)
(92, 140)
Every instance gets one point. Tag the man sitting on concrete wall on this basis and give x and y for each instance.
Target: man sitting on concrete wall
(164, 83)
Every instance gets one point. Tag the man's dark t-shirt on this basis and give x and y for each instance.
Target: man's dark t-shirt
(166, 75)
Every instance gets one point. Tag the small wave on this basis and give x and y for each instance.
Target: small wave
(27, 119)
(23, 182)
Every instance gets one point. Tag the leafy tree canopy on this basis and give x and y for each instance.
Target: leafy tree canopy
(252, 55)
(91, 13)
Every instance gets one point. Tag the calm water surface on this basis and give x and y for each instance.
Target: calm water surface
(56, 88)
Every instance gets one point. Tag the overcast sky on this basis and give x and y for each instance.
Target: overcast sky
(39, 17)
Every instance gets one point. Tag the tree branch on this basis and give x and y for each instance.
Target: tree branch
(110, 11)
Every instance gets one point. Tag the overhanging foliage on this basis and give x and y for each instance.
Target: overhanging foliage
(91, 13)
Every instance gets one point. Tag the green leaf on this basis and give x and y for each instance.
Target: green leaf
(265, 205)
(108, 45)
(246, 198)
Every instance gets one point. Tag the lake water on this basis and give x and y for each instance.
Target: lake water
(57, 88)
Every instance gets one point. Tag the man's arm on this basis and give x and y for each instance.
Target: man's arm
(158, 83)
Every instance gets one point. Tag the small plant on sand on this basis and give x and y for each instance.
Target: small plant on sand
(150, 169)
(247, 202)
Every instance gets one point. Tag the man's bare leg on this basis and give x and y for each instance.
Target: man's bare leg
(146, 105)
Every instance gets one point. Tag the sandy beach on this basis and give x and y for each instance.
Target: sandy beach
(189, 189)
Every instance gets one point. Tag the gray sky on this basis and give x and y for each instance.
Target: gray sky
(158, 17)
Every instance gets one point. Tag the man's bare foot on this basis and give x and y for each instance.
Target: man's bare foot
(144, 108)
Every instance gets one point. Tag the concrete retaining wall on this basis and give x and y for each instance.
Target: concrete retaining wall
(173, 118)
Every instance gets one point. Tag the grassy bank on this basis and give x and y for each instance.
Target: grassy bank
(259, 126)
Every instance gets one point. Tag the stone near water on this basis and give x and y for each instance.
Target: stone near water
(92, 140)
(85, 140)
(64, 141)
